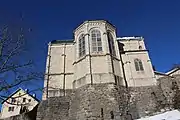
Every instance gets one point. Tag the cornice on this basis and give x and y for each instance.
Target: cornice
(94, 55)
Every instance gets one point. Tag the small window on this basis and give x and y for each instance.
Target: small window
(23, 109)
(18, 102)
(138, 65)
(24, 99)
(10, 109)
(29, 100)
(140, 47)
(13, 100)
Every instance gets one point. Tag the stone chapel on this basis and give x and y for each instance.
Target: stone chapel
(97, 55)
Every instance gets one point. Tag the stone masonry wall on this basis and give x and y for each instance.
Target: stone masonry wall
(107, 101)
(55, 108)
(150, 100)
(89, 102)
(95, 102)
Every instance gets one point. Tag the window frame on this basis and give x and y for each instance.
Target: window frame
(96, 41)
(24, 99)
(138, 65)
(81, 45)
(13, 100)
(111, 43)
(11, 109)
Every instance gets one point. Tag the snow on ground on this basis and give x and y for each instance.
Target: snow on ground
(170, 115)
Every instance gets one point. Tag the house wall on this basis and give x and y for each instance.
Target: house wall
(31, 115)
(17, 105)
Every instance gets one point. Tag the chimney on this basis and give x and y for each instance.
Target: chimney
(34, 95)
(26, 90)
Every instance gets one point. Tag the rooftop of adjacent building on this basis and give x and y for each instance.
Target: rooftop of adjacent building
(118, 38)
(169, 72)
(131, 38)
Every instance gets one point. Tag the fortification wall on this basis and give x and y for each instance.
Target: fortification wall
(150, 100)
(55, 108)
(95, 102)
(107, 101)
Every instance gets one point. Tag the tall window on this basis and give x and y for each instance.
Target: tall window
(96, 41)
(138, 65)
(82, 50)
(111, 44)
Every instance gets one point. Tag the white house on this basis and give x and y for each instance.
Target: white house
(96, 55)
(18, 102)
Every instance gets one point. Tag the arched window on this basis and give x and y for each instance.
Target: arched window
(96, 40)
(111, 44)
(82, 49)
(138, 65)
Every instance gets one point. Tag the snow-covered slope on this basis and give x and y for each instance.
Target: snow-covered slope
(170, 115)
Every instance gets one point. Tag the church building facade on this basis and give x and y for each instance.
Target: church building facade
(96, 55)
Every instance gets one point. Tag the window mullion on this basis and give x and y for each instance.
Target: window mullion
(96, 40)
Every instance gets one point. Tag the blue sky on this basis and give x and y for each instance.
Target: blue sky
(158, 21)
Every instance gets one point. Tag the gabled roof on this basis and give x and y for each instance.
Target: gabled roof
(17, 92)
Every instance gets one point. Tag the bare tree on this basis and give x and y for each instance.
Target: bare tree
(14, 71)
